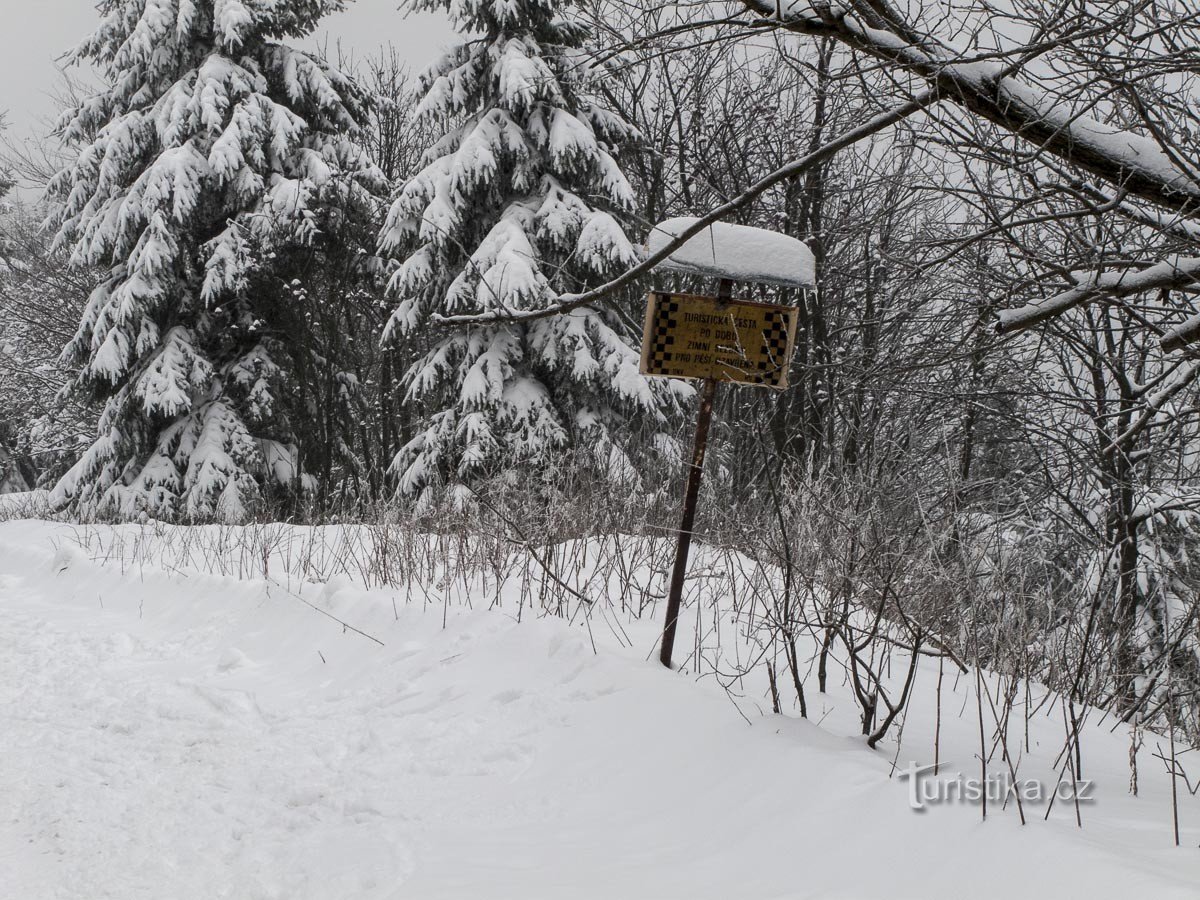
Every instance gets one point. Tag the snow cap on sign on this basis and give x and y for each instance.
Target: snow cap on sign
(738, 252)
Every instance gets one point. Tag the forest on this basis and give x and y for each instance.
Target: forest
(246, 282)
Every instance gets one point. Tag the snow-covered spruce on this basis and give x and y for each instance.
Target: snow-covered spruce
(213, 145)
(520, 199)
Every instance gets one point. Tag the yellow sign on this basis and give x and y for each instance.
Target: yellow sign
(690, 336)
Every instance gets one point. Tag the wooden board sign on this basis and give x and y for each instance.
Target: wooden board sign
(692, 336)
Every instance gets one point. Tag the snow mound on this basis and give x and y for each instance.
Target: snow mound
(738, 252)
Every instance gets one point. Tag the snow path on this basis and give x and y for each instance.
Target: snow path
(180, 736)
(145, 762)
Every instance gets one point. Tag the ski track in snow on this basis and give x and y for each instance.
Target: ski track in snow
(180, 736)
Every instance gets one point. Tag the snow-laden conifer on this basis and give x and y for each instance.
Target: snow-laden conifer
(213, 144)
(520, 199)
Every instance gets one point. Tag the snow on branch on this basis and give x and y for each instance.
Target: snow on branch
(1175, 382)
(738, 252)
(1176, 272)
(1182, 335)
(1134, 162)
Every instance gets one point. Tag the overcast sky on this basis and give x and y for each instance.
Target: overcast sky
(35, 32)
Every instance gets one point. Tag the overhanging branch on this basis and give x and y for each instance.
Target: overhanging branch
(1137, 165)
(568, 302)
(1132, 162)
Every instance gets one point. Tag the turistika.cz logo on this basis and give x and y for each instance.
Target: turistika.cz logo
(927, 789)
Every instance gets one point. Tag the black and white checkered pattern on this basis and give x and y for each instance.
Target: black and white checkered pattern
(769, 367)
(772, 364)
(663, 349)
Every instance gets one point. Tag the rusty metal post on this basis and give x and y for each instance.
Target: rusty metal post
(690, 497)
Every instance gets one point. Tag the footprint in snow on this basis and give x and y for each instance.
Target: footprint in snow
(232, 658)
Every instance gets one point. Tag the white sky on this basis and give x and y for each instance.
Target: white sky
(35, 32)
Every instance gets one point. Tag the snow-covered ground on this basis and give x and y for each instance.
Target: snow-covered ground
(171, 733)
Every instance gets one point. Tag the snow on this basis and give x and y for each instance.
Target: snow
(739, 252)
(1175, 271)
(178, 733)
(231, 20)
(1135, 151)
(570, 140)
(805, 9)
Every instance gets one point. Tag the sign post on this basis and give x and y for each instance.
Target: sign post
(691, 494)
(717, 339)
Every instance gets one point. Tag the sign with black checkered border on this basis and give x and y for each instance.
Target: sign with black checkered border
(693, 336)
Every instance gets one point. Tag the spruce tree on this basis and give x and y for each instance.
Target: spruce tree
(520, 199)
(213, 149)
